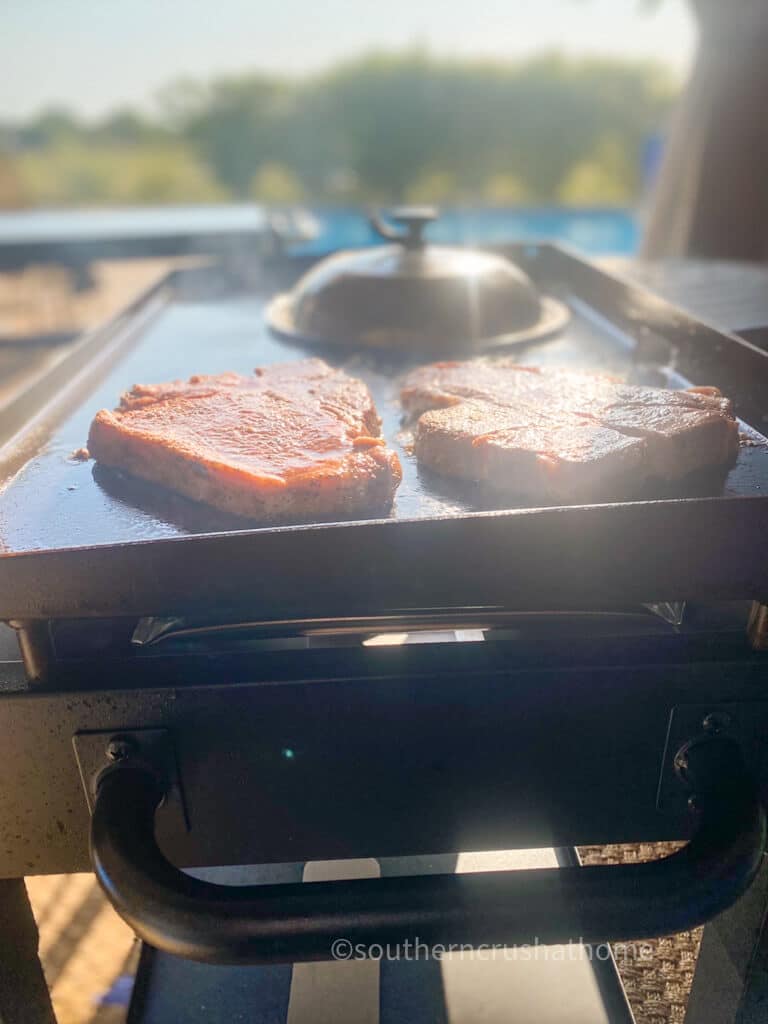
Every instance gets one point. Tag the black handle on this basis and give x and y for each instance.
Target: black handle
(297, 922)
(413, 218)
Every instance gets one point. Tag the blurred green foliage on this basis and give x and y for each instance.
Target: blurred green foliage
(383, 128)
(78, 173)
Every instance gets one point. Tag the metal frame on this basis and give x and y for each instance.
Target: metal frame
(420, 751)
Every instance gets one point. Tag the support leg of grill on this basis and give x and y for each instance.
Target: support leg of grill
(731, 980)
(24, 996)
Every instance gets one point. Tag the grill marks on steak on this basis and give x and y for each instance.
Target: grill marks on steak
(557, 434)
(295, 441)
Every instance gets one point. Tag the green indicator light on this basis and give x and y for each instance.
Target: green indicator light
(288, 754)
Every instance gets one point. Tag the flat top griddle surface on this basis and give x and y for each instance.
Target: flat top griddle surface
(80, 540)
(57, 502)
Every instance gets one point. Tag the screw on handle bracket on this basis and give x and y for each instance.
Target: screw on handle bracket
(729, 736)
(100, 752)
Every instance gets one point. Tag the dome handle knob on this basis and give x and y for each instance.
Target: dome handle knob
(413, 218)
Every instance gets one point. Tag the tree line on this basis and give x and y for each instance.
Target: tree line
(380, 128)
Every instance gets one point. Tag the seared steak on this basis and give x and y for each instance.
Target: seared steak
(557, 434)
(295, 441)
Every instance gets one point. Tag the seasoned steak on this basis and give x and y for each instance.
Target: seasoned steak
(295, 441)
(557, 434)
(558, 457)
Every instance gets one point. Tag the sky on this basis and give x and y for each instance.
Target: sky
(94, 55)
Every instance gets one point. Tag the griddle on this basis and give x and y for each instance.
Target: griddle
(81, 541)
(559, 729)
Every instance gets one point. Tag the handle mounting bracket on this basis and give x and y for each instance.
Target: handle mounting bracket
(744, 723)
(98, 752)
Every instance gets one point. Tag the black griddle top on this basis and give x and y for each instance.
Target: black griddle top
(72, 527)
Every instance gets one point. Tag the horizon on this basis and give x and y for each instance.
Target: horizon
(580, 29)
